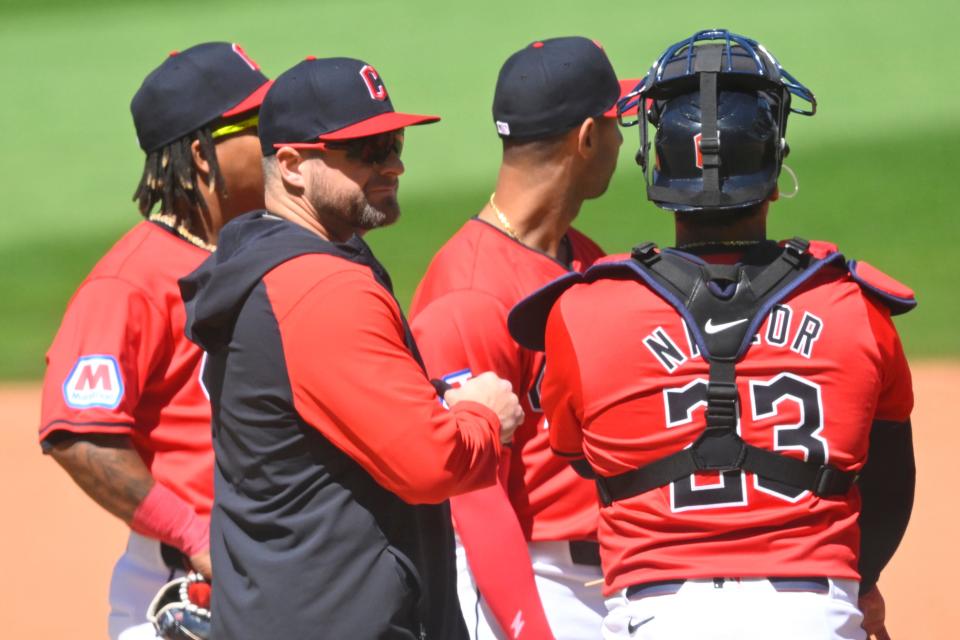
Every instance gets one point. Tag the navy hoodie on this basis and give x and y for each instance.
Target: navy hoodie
(304, 542)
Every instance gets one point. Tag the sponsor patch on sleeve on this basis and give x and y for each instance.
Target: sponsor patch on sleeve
(94, 381)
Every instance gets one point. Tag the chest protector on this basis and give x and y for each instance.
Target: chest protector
(723, 306)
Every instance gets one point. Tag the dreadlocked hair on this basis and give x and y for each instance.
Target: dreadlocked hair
(170, 178)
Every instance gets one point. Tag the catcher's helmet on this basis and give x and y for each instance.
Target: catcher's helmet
(720, 111)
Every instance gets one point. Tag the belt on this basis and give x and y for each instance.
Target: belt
(585, 552)
(669, 587)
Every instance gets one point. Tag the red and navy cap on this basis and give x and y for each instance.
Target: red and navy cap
(328, 99)
(192, 88)
(551, 86)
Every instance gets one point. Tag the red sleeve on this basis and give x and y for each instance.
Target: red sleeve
(499, 561)
(896, 395)
(354, 379)
(459, 335)
(110, 338)
(562, 395)
(467, 331)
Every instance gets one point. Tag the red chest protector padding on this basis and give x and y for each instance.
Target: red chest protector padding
(739, 296)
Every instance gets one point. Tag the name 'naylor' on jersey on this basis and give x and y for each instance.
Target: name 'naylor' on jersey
(781, 329)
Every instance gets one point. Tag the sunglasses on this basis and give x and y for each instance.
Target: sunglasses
(371, 149)
(235, 127)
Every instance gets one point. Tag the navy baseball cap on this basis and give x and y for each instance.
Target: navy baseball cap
(192, 88)
(327, 99)
(553, 85)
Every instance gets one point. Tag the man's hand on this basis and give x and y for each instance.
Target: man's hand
(201, 564)
(494, 393)
(874, 614)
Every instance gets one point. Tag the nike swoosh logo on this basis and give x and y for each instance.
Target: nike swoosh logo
(632, 628)
(723, 326)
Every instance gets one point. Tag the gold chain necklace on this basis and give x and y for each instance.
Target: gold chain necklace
(720, 243)
(169, 220)
(504, 222)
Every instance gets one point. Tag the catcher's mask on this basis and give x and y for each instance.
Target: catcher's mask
(719, 102)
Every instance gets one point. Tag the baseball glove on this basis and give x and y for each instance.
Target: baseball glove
(181, 609)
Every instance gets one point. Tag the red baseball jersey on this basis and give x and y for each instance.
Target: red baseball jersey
(120, 363)
(459, 318)
(626, 387)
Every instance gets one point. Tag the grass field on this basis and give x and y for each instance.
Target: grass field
(876, 165)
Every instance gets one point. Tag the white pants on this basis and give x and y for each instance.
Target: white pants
(745, 609)
(137, 577)
(573, 610)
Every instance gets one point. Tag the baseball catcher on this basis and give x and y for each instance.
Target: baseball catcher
(744, 403)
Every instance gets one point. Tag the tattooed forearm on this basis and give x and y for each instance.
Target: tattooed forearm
(108, 469)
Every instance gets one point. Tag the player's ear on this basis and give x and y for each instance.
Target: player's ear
(290, 166)
(200, 161)
(587, 138)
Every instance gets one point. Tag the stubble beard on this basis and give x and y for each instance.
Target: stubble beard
(353, 208)
(365, 215)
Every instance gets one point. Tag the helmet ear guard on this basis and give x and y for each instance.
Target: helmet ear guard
(713, 79)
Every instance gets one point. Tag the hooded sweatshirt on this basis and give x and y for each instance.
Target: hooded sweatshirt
(334, 455)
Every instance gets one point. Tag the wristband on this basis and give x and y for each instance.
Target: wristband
(165, 516)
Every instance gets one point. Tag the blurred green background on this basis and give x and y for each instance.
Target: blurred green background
(876, 171)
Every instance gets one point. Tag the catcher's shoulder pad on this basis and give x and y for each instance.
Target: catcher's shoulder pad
(898, 297)
(527, 321)
(893, 293)
(528, 318)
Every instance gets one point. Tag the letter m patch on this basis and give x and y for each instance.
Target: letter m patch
(94, 381)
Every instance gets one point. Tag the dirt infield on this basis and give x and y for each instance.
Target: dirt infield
(60, 547)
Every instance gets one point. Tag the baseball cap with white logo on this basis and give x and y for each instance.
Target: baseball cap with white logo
(327, 99)
(553, 85)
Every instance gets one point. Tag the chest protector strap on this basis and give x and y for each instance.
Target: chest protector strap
(723, 306)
